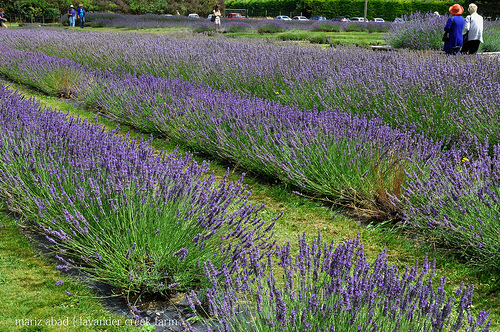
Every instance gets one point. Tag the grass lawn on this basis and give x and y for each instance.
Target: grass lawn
(30, 300)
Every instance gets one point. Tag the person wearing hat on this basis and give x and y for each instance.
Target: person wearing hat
(454, 26)
(474, 29)
(72, 16)
(81, 15)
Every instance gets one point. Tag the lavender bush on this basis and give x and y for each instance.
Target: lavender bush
(54, 76)
(419, 31)
(271, 27)
(491, 37)
(139, 220)
(328, 26)
(423, 31)
(457, 201)
(328, 288)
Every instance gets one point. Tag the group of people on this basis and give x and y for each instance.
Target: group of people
(78, 13)
(456, 25)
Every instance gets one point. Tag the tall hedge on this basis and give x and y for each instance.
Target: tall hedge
(387, 9)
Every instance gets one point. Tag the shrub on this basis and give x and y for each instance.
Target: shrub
(54, 76)
(356, 27)
(271, 27)
(457, 201)
(208, 28)
(418, 32)
(328, 288)
(326, 26)
(491, 37)
(237, 27)
(293, 36)
(378, 26)
(320, 39)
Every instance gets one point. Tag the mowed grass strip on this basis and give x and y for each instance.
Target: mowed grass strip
(302, 214)
(30, 299)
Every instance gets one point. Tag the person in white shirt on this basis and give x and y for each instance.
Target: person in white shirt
(217, 15)
(474, 28)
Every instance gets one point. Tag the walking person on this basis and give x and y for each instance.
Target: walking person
(72, 16)
(455, 26)
(474, 31)
(217, 15)
(2, 19)
(81, 14)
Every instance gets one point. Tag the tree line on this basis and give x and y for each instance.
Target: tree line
(387, 9)
(56, 8)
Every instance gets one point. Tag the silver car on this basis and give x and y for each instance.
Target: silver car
(283, 18)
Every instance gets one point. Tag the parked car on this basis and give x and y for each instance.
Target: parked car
(398, 20)
(318, 18)
(358, 19)
(378, 19)
(193, 16)
(300, 18)
(283, 18)
(340, 19)
(209, 17)
(235, 16)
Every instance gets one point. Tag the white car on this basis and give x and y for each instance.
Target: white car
(300, 18)
(193, 16)
(378, 19)
(283, 18)
(358, 19)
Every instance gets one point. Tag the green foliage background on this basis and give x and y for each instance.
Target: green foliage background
(388, 9)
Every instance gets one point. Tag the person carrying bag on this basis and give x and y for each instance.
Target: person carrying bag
(454, 26)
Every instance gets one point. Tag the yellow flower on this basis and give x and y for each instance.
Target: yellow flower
(464, 160)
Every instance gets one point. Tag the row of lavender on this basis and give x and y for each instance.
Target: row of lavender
(341, 157)
(148, 222)
(143, 221)
(149, 21)
(439, 96)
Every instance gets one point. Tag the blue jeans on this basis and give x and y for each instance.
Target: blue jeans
(71, 21)
(82, 20)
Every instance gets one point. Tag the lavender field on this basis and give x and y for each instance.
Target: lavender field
(409, 138)
(203, 25)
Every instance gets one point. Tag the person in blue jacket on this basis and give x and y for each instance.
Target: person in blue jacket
(455, 26)
(2, 19)
(71, 15)
(80, 12)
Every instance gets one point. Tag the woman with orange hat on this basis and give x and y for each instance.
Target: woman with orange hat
(454, 26)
